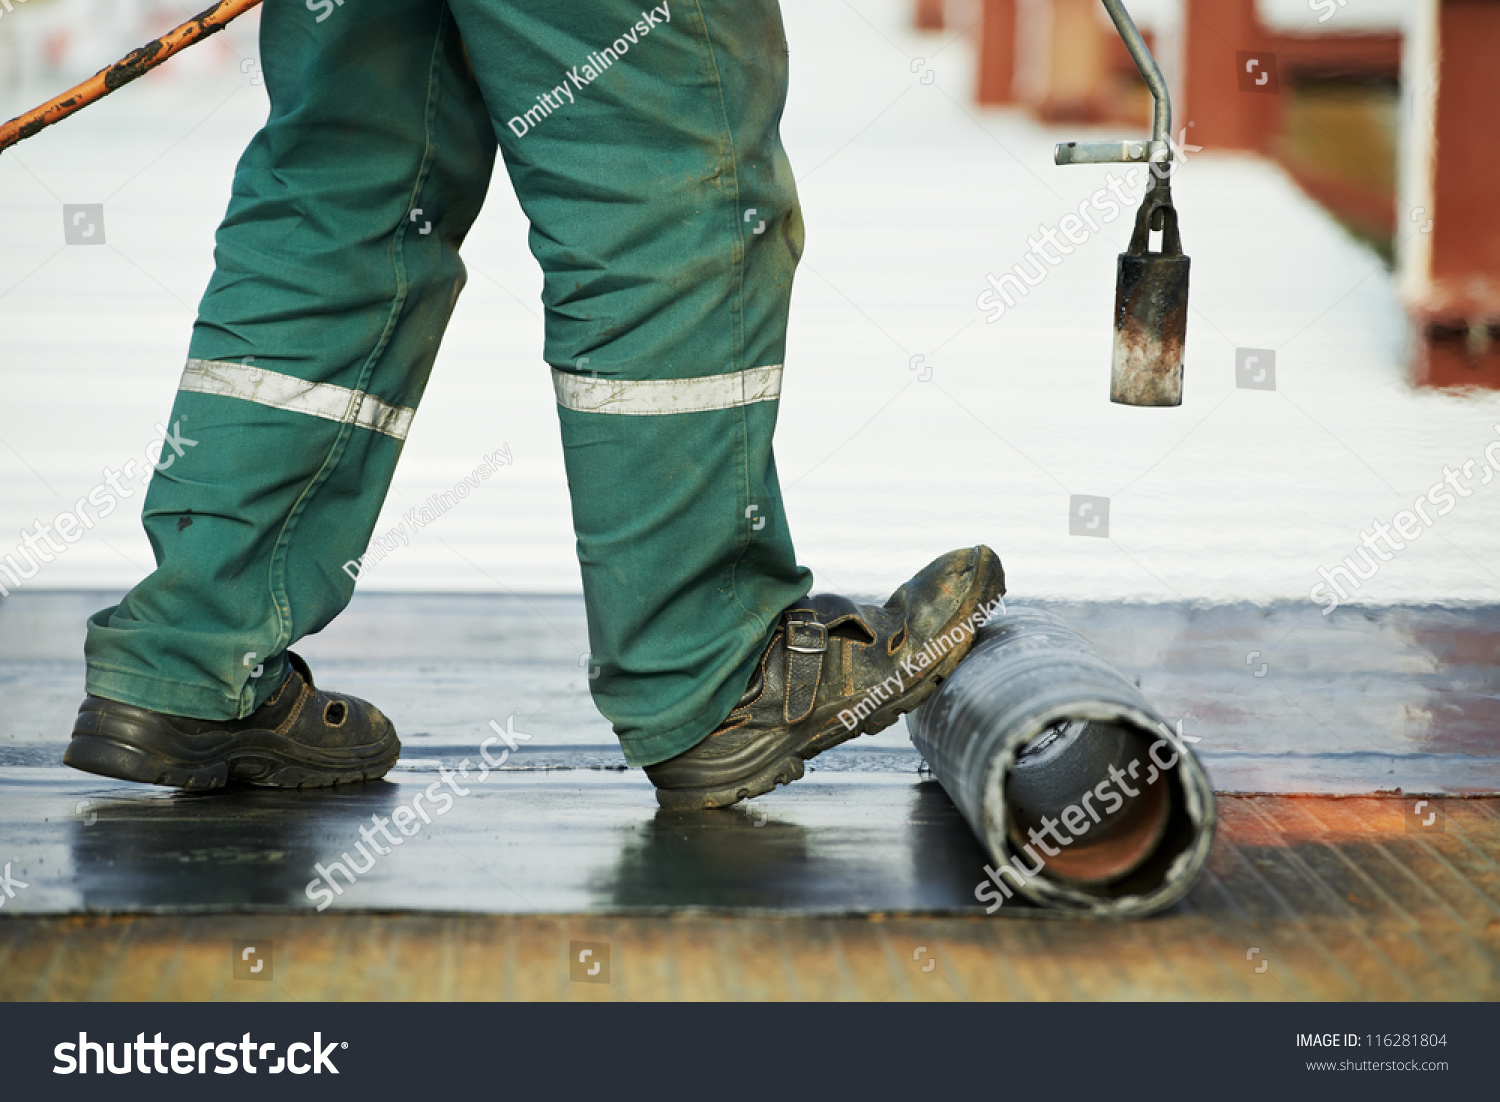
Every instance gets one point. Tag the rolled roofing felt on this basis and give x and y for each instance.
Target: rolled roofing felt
(1085, 798)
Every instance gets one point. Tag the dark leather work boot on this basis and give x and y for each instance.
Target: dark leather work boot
(302, 737)
(836, 669)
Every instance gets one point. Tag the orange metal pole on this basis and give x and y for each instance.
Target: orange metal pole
(931, 15)
(997, 52)
(1231, 89)
(1455, 242)
(125, 70)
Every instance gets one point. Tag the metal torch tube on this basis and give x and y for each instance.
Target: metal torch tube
(1161, 123)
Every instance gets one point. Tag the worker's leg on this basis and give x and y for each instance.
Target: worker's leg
(643, 144)
(336, 270)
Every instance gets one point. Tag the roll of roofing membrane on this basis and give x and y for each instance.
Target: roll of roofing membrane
(1085, 798)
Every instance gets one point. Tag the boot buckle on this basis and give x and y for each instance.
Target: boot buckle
(814, 641)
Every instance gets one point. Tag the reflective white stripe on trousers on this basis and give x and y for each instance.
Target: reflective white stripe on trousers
(654, 397)
(271, 388)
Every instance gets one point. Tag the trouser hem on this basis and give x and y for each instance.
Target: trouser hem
(652, 749)
(178, 698)
(158, 695)
(643, 750)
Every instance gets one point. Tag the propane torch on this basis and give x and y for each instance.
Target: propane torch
(1151, 288)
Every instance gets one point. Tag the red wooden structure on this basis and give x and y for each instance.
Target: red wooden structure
(1063, 62)
(1449, 230)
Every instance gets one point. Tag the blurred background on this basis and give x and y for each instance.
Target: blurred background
(1338, 231)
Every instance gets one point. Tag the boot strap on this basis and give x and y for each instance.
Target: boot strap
(806, 642)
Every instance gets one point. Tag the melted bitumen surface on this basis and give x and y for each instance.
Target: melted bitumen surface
(1281, 700)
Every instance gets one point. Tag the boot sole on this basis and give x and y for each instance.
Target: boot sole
(789, 767)
(130, 749)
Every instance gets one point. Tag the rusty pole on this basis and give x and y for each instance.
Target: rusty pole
(125, 70)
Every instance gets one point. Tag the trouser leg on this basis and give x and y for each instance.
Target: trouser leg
(643, 145)
(312, 347)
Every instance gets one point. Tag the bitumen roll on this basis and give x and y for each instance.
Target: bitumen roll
(1084, 796)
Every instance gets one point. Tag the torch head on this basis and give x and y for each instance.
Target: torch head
(1151, 296)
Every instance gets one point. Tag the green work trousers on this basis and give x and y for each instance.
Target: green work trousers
(643, 144)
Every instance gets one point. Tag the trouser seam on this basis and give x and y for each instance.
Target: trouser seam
(742, 457)
(276, 579)
(736, 221)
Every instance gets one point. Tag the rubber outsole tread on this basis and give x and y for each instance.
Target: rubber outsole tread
(108, 757)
